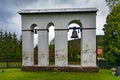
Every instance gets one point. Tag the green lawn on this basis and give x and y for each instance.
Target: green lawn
(17, 74)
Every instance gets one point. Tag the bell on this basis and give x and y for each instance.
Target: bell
(35, 31)
(74, 34)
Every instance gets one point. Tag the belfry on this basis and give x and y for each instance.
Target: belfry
(60, 18)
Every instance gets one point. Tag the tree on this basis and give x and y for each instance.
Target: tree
(112, 37)
(112, 3)
(99, 41)
(1, 43)
(10, 47)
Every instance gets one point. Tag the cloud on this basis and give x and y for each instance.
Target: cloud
(10, 20)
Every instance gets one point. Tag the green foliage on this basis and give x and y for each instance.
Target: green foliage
(36, 55)
(10, 47)
(99, 41)
(74, 50)
(112, 37)
(52, 53)
(112, 3)
(17, 74)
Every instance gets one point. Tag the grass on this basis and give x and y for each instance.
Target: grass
(17, 74)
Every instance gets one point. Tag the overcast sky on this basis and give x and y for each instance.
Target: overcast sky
(10, 20)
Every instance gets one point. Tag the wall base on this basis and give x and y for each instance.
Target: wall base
(64, 69)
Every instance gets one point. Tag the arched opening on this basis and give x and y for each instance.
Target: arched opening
(35, 42)
(51, 39)
(74, 44)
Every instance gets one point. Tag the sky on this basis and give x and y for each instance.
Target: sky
(10, 20)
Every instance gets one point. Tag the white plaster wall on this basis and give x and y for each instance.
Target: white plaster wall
(43, 53)
(88, 48)
(61, 21)
(27, 49)
(61, 48)
(88, 43)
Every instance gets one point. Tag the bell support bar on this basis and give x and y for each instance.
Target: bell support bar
(32, 30)
(74, 28)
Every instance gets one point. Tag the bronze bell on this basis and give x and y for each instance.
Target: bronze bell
(35, 31)
(74, 34)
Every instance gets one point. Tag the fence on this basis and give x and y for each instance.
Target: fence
(102, 63)
(10, 65)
